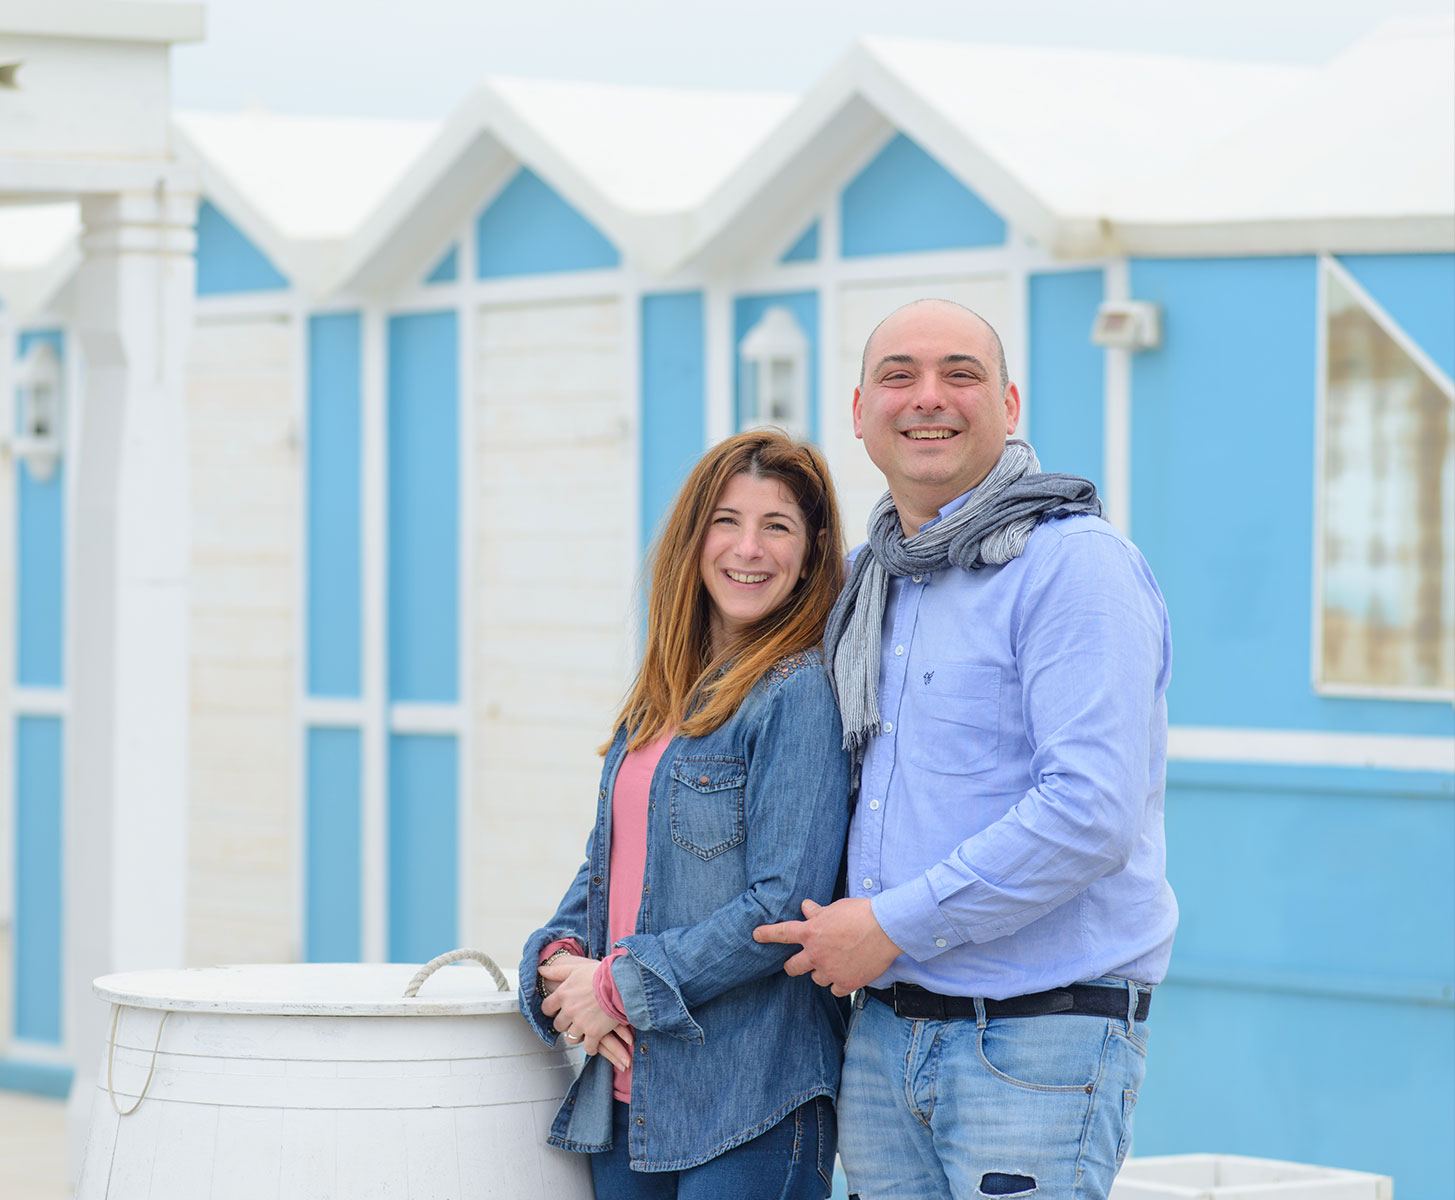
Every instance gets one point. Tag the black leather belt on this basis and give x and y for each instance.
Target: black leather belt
(1077, 999)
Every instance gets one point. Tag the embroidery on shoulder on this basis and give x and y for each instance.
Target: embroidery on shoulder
(791, 664)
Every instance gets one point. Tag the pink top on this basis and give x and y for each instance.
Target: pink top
(626, 870)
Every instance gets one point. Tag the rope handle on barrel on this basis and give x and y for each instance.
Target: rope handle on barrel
(111, 1061)
(455, 956)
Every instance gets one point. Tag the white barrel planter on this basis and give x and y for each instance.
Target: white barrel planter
(1233, 1177)
(324, 1082)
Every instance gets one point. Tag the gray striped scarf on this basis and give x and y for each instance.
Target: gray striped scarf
(990, 529)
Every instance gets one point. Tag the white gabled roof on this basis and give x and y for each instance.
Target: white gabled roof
(1366, 141)
(299, 187)
(649, 150)
(310, 178)
(1088, 152)
(634, 160)
(1071, 125)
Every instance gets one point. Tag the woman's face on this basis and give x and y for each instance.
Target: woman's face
(753, 555)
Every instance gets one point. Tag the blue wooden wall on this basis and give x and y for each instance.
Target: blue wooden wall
(1310, 1009)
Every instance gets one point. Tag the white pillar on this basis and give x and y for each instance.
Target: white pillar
(126, 799)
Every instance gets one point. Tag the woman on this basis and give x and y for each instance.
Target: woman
(722, 806)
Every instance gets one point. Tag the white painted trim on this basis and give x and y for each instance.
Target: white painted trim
(634, 287)
(601, 284)
(717, 363)
(465, 450)
(408, 717)
(374, 548)
(949, 266)
(39, 702)
(1327, 265)
(1116, 418)
(40, 1053)
(1321, 391)
(832, 390)
(1015, 337)
(1293, 747)
(1390, 326)
(324, 713)
(8, 537)
(232, 306)
(299, 874)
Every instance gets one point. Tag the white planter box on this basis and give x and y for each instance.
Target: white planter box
(1231, 1177)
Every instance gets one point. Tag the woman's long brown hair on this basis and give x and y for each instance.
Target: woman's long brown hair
(679, 686)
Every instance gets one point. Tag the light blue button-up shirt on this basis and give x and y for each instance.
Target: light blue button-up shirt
(1009, 824)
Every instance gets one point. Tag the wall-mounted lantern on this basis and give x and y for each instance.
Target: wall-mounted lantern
(40, 398)
(773, 374)
(1127, 325)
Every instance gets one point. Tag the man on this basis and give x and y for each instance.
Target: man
(1001, 657)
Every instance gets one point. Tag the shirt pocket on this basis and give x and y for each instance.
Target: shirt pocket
(708, 796)
(957, 720)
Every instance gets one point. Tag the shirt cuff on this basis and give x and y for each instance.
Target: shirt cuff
(912, 920)
(570, 944)
(604, 986)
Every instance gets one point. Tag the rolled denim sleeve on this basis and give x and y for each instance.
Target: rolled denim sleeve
(795, 819)
(569, 921)
(1093, 653)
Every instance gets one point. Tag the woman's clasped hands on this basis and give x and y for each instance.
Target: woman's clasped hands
(575, 1012)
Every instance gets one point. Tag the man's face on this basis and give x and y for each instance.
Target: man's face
(931, 410)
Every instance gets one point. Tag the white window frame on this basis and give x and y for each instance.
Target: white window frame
(1330, 266)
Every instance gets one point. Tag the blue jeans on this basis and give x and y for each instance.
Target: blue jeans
(793, 1160)
(1038, 1108)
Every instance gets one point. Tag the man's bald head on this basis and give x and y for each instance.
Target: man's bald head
(989, 328)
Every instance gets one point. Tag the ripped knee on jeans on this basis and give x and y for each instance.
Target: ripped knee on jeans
(998, 1183)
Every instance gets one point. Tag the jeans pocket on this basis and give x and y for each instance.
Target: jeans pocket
(1129, 1103)
(1043, 1054)
(708, 798)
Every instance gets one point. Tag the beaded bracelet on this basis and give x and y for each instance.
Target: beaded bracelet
(559, 952)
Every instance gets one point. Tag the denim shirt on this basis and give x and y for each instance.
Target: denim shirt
(743, 824)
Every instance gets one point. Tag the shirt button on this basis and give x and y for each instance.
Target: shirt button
(601, 795)
(888, 726)
(899, 649)
(941, 942)
(917, 578)
(641, 1120)
(703, 781)
(874, 804)
(868, 883)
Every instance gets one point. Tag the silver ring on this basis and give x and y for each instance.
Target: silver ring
(574, 1039)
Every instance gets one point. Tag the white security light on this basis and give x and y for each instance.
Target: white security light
(1127, 325)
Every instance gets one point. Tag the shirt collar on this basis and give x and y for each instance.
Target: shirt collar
(949, 509)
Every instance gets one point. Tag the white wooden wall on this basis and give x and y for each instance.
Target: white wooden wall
(552, 585)
(246, 496)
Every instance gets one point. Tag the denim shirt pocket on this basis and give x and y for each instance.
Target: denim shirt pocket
(959, 725)
(708, 796)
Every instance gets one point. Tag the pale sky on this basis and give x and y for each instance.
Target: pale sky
(420, 58)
